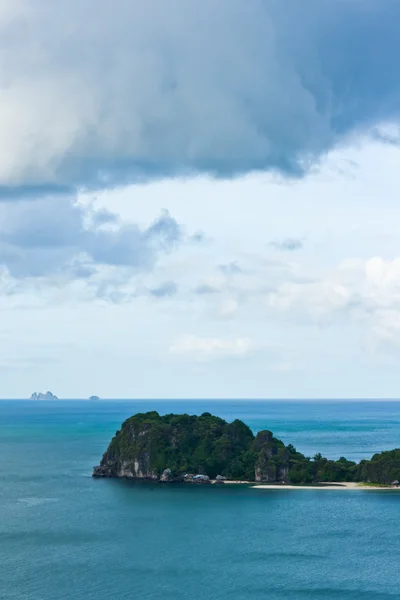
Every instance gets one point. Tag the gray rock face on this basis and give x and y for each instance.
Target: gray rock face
(190, 478)
(126, 469)
(130, 465)
(41, 396)
(201, 479)
(166, 476)
(272, 464)
(265, 473)
(103, 471)
(220, 479)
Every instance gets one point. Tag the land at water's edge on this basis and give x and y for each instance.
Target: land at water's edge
(340, 485)
(328, 485)
(198, 449)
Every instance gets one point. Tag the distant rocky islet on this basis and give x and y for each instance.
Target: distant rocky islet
(51, 396)
(43, 396)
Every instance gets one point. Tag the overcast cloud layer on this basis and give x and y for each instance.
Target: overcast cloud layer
(91, 96)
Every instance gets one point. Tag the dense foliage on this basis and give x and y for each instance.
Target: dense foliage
(209, 445)
(186, 444)
(382, 468)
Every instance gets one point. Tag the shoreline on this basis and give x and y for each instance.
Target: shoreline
(328, 485)
(341, 485)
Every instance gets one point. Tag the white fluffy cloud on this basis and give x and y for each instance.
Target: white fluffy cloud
(93, 96)
(367, 291)
(203, 348)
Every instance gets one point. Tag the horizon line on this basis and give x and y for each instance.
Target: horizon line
(198, 399)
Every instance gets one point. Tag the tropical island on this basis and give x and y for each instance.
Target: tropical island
(198, 449)
(43, 396)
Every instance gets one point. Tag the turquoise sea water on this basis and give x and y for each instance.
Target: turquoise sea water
(64, 535)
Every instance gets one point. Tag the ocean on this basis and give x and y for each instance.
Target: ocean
(64, 535)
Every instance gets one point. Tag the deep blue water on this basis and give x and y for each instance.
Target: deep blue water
(65, 535)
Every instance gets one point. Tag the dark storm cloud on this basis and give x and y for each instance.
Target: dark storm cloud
(153, 89)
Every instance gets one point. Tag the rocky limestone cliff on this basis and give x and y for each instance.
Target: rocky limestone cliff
(182, 447)
(272, 458)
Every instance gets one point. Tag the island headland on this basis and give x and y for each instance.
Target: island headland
(198, 449)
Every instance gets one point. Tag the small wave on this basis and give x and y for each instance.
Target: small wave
(35, 501)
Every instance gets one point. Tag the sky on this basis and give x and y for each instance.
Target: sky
(200, 200)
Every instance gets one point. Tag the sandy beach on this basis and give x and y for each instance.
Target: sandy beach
(329, 485)
(344, 485)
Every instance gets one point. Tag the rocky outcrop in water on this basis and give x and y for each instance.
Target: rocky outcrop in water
(220, 479)
(192, 449)
(167, 476)
(43, 396)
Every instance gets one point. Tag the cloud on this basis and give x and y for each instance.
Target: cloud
(206, 288)
(366, 292)
(385, 330)
(317, 299)
(229, 308)
(168, 288)
(282, 367)
(231, 268)
(288, 245)
(198, 237)
(140, 91)
(58, 235)
(361, 293)
(204, 349)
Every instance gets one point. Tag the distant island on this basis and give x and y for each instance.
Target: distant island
(198, 449)
(94, 398)
(43, 396)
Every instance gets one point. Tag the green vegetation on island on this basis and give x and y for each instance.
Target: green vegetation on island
(177, 447)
